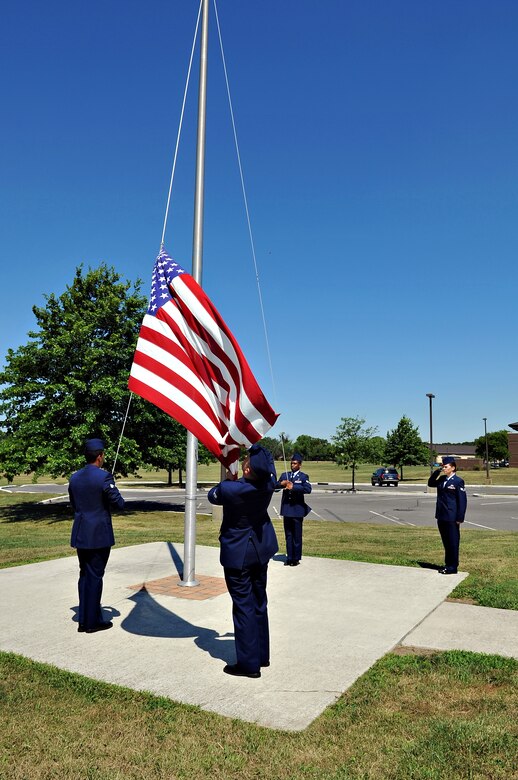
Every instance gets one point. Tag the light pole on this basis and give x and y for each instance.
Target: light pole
(430, 397)
(487, 448)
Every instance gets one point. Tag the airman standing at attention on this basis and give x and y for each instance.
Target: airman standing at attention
(294, 509)
(92, 492)
(449, 511)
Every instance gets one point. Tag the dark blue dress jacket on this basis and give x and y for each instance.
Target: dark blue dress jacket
(92, 492)
(245, 519)
(451, 497)
(292, 501)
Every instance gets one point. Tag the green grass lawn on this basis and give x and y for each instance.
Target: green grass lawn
(427, 717)
(410, 717)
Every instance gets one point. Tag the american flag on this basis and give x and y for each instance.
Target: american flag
(189, 364)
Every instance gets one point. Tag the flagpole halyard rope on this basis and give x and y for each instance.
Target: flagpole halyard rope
(180, 128)
(122, 433)
(250, 233)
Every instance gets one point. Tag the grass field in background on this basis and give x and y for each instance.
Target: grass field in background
(318, 471)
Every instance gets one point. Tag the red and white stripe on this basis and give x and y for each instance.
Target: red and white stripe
(189, 364)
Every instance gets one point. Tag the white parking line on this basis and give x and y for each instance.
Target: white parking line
(481, 526)
(495, 503)
(316, 513)
(387, 517)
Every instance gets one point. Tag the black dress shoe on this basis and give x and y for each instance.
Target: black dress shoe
(295, 563)
(447, 571)
(81, 627)
(266, 663)
(98, 627)
(287, 562)
(237, 671)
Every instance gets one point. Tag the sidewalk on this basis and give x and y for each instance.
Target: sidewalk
(330, 621)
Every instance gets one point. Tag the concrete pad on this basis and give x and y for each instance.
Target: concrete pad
(454, 626)
(329, 622)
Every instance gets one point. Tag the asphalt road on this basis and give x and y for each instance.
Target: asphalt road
(412, 507)
(492, 508)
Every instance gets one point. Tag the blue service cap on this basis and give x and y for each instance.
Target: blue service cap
(297, 456)
(261, 462)
(447, 459)
(92, 445)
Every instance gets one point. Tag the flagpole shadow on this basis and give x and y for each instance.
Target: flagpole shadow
(177, 560)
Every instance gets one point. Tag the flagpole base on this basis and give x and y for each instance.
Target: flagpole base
(188, 583)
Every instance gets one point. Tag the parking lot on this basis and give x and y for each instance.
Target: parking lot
(492, 508)
(411, 506)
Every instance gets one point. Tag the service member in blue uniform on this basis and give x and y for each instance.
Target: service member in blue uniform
(450, 511)
(92, 493)
(247, 542)
(294, 509)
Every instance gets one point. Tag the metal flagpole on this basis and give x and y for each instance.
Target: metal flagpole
(191, 470)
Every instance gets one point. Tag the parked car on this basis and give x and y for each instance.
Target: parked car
(385, 476)
(499, 464)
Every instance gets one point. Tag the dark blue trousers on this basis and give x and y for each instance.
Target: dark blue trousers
(247, 588)
(92, 565)
(293, 534)
(450, 535)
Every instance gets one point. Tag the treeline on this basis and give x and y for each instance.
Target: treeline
(311, 447)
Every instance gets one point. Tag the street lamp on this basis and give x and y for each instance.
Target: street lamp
(487, 448)
(431, 396)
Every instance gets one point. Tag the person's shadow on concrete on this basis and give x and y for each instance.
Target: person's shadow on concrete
(108, 613)
(428, 565)
(148, 618)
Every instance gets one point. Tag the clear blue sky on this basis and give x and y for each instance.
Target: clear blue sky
(379, 143)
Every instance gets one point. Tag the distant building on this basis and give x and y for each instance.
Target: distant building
(464, 455)
(459, 451)
(513, 444)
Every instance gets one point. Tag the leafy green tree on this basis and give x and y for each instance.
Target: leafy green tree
(273, 445)
(162, 441)
(377, 446)
(404, 446)
(352, 442)
(313, 448)
(497, 446)
(69, 382)
(286, 445)
(12, 461)
(281, 447)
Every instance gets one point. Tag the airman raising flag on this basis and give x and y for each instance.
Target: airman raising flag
(189, 364)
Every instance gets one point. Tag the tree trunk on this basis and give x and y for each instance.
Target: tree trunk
(170, 473)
